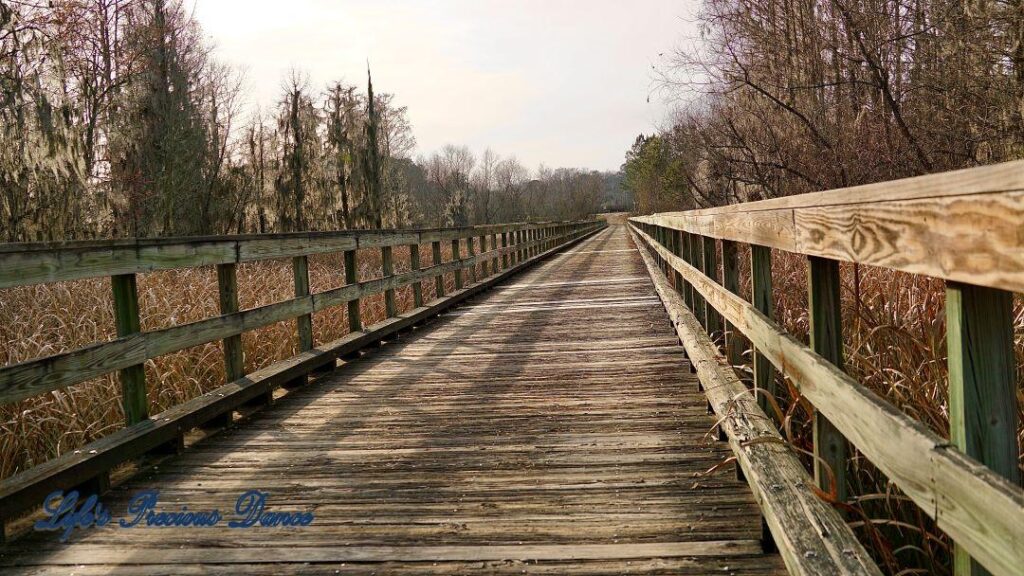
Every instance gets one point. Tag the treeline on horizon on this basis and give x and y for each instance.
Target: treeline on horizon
(785, 97)
(118, 121)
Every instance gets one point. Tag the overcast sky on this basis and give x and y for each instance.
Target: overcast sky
(559, 82)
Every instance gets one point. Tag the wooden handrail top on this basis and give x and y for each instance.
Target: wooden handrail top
(964, 226)
(24, 263)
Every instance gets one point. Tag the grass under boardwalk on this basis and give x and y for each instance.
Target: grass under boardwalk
(551, 425)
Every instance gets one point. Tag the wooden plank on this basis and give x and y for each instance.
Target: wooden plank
(457, 256)
(982, 385)
(435, 248)
(227, 290)
(504, 247)
(811, 536)
(979, 509)
(763, 301)
(825, 319)
(926, 225)
(126, 320)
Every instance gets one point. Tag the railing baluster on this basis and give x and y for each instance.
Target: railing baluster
(414, 265)
(982, 387)
(355, 322)
(830, 448)
(435, 248)
(687, 252)
(762, 299)
(126, 319)
(388, 269)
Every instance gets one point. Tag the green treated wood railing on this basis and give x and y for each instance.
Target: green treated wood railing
(122, 260)
(965, 227)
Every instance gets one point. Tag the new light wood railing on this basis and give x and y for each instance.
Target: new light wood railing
(965, 227)
(122, 260)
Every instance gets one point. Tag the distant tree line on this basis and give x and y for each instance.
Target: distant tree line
(117, 120)
(780, 97)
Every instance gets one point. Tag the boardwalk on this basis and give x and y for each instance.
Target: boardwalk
(551, 425)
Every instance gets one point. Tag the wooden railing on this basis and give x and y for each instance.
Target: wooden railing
(503, 250)
(965, 227)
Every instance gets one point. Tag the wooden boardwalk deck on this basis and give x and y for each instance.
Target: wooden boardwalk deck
(550, 426)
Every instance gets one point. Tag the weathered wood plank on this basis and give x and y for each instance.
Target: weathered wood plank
(979, 509)
(763, 301)
(414, 266)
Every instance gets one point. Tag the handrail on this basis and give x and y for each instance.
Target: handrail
(520, 246)
(964, 227)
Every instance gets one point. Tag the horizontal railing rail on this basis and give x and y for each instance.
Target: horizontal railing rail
(965, 227)
(503, 250)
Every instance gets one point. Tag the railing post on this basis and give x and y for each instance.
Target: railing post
(456, 255)
(485, 267)
(982, 387)
(825, 320)
(388, 270)
(687, 255)
(762, 299)
(677, 250)
(414, 265)
(435, 248)
(304, 322)
(697, 261)
(504, 255)
(494, 259)
(470, 253)
(126, 319)
(227, 291)
(355, 322)
(734, 343)
(714, 319)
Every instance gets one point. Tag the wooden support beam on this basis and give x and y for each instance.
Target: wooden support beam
(414, 266)
(982, 386)
(304, 322)
(126, 320)
(234, 366)
(762, 299)
(826, 339)
(697, 261)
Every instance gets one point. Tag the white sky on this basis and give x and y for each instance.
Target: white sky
(559, 82)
